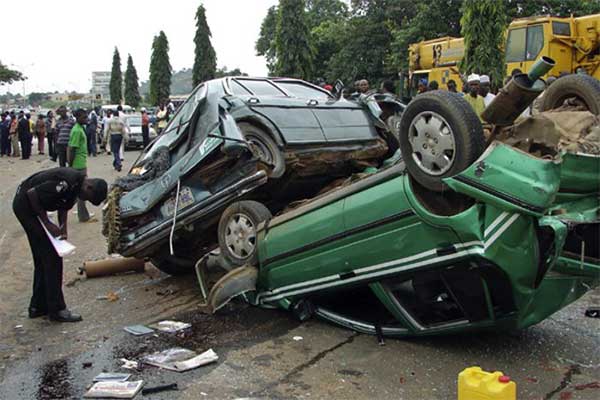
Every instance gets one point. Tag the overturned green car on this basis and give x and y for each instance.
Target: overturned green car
(472, 235)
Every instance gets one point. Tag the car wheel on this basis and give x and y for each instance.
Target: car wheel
(237, 231)
(584, 89)
(440, 136)
(171, 267)
(393, 124)
(265, 147)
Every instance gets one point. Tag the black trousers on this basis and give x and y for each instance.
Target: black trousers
(51, 149)
(48, 266)
(146, 135)
(26, 143)
(61, 152)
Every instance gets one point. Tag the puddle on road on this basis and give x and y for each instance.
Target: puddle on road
(54, 381)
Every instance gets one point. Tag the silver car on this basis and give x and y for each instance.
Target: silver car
(135, 132)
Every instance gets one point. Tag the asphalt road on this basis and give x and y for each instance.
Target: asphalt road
(262, 353)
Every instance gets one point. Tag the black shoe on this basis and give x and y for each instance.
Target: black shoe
(65, 316)
(36, 312)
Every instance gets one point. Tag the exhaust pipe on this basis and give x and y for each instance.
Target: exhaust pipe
(111, 266)
(518, 94)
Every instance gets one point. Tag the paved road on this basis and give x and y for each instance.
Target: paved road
(260, 352)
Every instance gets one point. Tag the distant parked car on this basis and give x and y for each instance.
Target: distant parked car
(135, 134)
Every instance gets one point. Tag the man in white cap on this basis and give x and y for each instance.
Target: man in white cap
(473, 97)
(484, 90)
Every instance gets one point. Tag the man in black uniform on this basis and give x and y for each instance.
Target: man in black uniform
(55, 189)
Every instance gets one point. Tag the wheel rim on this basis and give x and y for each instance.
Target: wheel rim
(240, 236)
(432, 143)
(262, 149)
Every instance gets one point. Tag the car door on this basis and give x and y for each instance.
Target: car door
(340, 120)
(292, 116)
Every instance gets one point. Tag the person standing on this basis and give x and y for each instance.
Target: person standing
(473, 97)
(484, 90)
(77, 152)
(90, 132)
(105, 119)
(24, 131)
(162, 118)
(13, 132)
(63, 129)
(54, 189)
(145, 128)
(51, 134)
(4, 135)
(40, 130)
(116, 134)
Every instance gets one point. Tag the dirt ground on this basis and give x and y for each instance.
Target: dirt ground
(263, 354)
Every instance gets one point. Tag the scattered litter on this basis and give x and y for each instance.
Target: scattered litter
(112, 389)
(87, 364)
(297, 338)
(591, 385)
(18, 326)
(593, 312)
(128, 364)
(170, 326)
(161, 388)
(180, 360)
(112, 296)
(112, 377)
(138, 330)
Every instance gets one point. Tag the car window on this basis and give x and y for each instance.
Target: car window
(134, 121)
(261, 88)
(302, 91)
(238, 89)
(561, 28)
(535, 41)
(515, 45)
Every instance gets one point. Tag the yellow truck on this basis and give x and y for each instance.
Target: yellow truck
(572, 42)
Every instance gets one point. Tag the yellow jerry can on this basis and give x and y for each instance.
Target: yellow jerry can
(476, 384)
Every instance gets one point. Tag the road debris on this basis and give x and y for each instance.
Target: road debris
(593, 312)
(138, 330)
(128, 364)
(112, 377)
(297, 338)
(158, 389)
(112, 389)
(170, 326)
(111, 266)
(180, 360)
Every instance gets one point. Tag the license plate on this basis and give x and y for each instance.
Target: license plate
(186, 198)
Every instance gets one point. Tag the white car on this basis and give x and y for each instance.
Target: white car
(135, 132)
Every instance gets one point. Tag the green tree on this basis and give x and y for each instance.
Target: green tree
(8, 75)
(292, 41)
(205, 61)
(160, 70)
(483, 25)
(319, 11)
(132, 86)
(116, 79)
(558, 8)
(265, 45)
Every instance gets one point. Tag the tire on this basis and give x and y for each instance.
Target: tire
(237, 232)
(171, 267)
(584, 88)
(265, 147)
(393, 124)
(446, 125)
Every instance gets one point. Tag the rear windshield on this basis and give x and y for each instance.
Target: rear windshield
(302, 91)
(261, 88)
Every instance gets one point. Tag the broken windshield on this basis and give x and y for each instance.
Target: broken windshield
(180, 121)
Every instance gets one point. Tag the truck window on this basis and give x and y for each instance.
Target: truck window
(561, 28)
(515, 45)
(535, 41)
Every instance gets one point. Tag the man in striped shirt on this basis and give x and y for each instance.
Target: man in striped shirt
(63, 127)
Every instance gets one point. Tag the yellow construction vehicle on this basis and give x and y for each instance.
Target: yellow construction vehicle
(573, 43)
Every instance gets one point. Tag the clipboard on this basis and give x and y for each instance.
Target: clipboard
(62, 247)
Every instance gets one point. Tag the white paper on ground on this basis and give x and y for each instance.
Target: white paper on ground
(170, 326)
(111, 376)
(114, 390)
(176, 363)
(62, 247)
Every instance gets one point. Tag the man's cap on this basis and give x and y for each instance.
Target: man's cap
(143, 109)
(484, 79)
(99, 191)
(473, 78)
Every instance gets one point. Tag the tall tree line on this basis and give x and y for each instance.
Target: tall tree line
(370, 38)
(115, 86)
(205, 60)
(160, 70)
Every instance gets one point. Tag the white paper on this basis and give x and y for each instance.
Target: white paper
(171, 359)
(62, 247)
(115, 390)
(170, 326)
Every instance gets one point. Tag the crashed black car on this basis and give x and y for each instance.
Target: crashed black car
(238, 151)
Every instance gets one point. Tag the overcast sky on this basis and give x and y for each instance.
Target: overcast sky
(58, 43)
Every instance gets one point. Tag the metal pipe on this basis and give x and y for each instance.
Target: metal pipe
(111, 266)
(540, 68)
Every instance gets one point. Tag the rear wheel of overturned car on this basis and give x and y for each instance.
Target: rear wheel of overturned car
(440, 136)
(238, 231)
(265, 147)
(579, 90)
